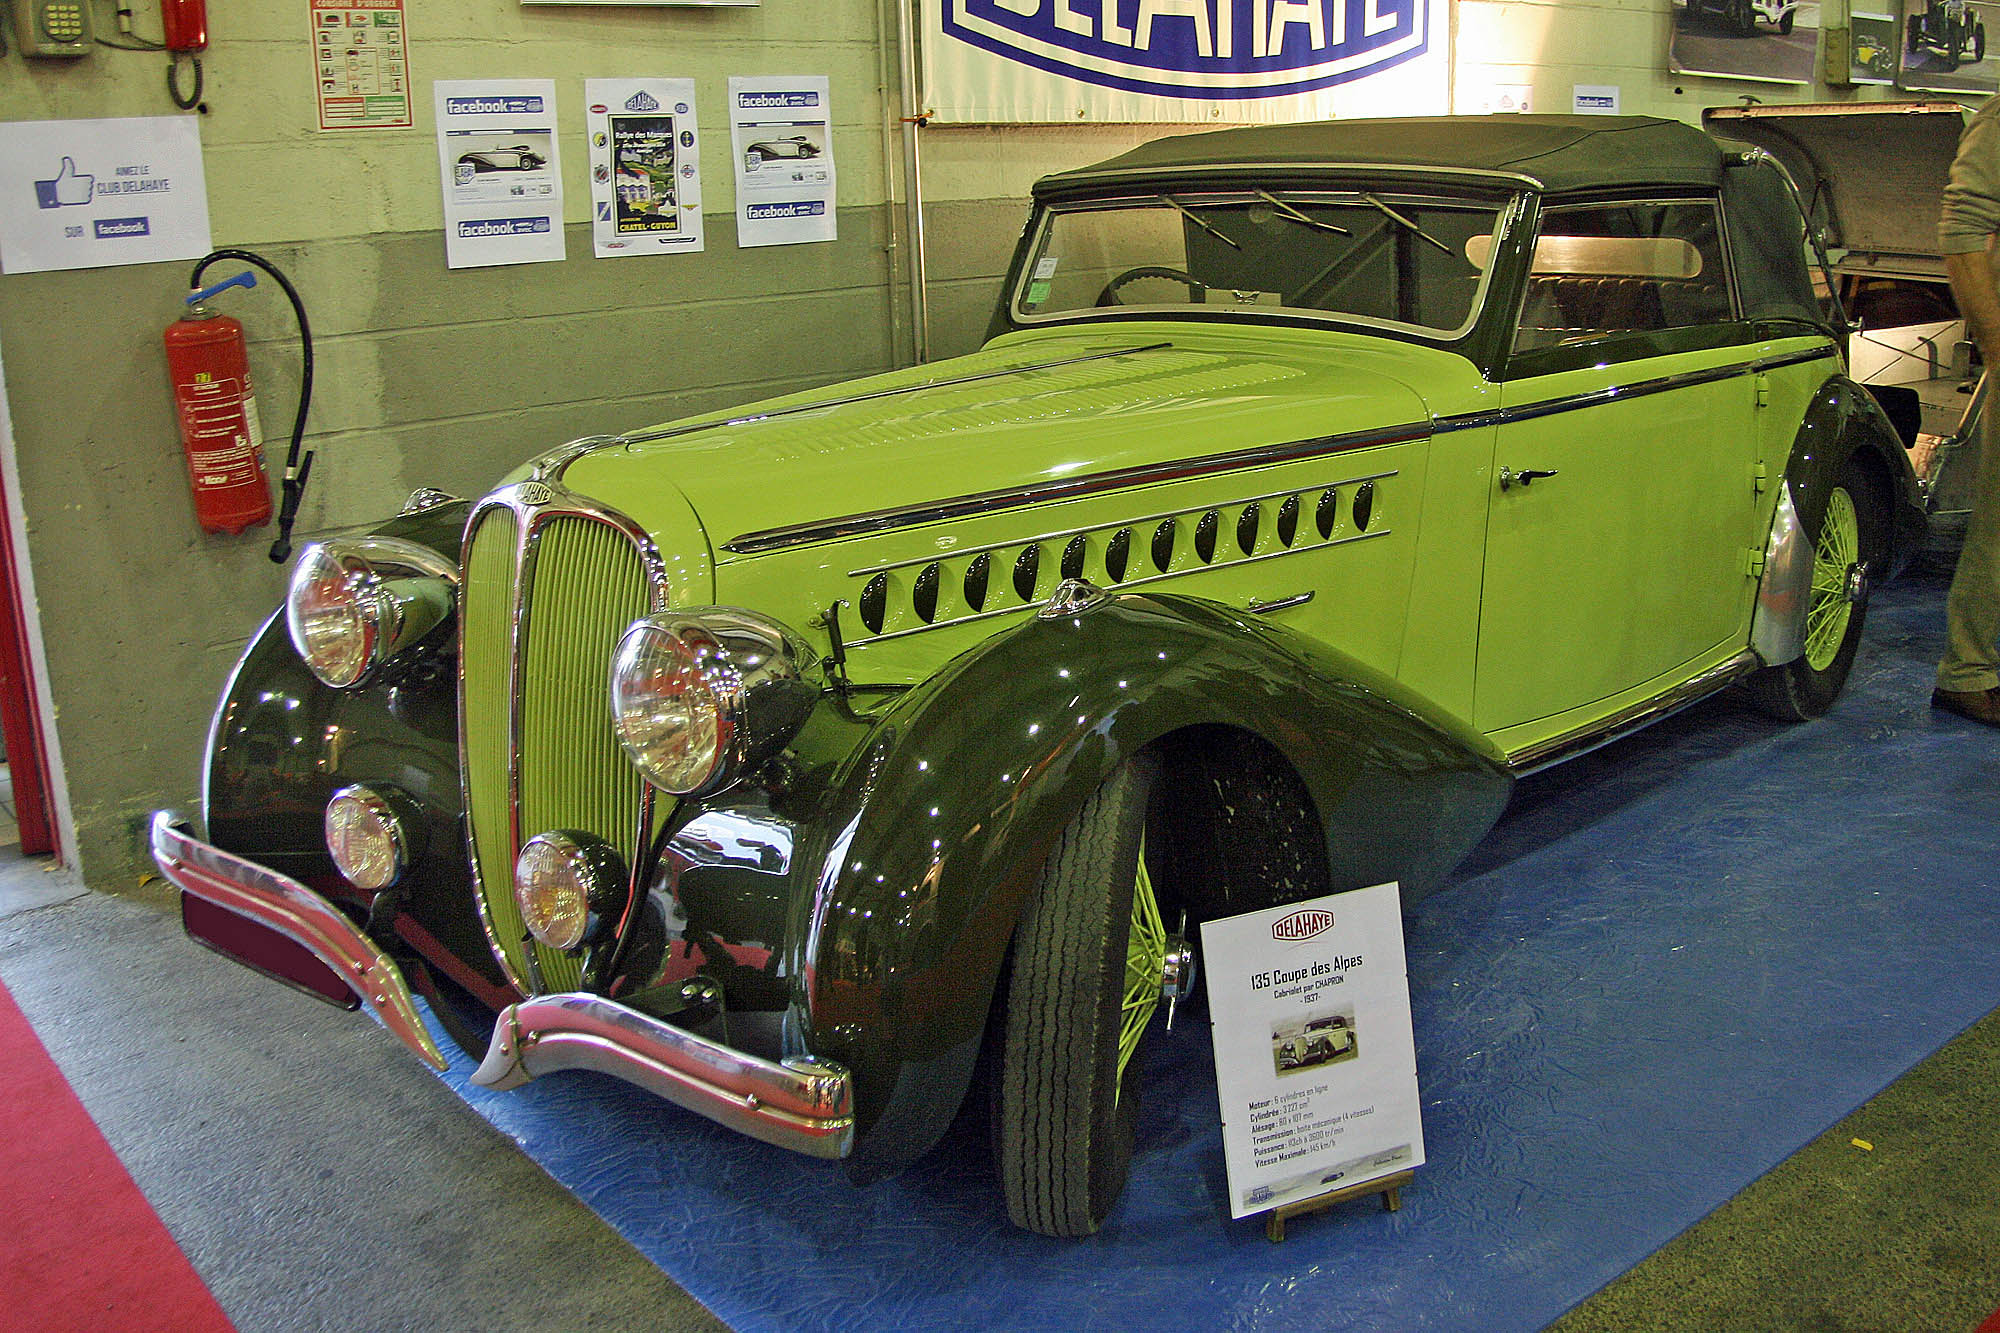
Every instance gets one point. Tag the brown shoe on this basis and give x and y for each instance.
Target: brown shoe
(1979, 705)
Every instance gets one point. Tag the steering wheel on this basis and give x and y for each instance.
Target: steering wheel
(1109, 296)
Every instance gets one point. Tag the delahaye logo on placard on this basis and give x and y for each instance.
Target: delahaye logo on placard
(1198, 48)
(1302, 925)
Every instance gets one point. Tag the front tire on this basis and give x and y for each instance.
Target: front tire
(1084, 985)
(1847, 536)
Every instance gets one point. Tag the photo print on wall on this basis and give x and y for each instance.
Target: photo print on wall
(1945, 47)
(1764, 41)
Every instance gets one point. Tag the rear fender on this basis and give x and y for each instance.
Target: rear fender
(937, 827)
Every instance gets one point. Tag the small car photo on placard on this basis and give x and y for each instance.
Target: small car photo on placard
(1766, 41)
(1945, 48)
(489, 164)
(781, 150)
(1317, 1039)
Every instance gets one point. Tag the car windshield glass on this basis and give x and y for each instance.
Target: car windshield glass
(1378, 256)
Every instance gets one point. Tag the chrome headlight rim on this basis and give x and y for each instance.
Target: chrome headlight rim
(394, 831)
(386, 614)
(760, 681)
(596, 880)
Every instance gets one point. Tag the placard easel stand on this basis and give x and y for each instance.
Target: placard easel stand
(1388, 1187)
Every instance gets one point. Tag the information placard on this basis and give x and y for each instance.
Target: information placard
(497, 152)
(1315, 1060)
(781, 131)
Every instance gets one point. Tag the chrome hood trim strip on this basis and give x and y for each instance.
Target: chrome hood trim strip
(1637, 389)
(987, 502)
(300, 915)
(802, 1104)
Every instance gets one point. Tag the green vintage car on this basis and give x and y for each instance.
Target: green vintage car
(1316, 480)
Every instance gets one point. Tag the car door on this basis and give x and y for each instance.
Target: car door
(1622, 507)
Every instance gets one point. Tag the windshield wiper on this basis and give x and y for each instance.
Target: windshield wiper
(1402, 221)
(1189, 214)
(1285, 210)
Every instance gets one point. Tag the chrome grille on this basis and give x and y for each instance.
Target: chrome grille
(548, 591)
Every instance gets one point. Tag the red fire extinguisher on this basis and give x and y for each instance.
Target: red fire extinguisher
(218, 414)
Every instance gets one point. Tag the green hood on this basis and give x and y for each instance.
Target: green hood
(1030, 409)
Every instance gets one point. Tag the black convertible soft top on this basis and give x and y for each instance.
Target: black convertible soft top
(1556, 153)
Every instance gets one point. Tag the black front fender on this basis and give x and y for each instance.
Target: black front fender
(908, 888)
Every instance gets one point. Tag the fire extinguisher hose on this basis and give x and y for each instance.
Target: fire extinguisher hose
(297, 469)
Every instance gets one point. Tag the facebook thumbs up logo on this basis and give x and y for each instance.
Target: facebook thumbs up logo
(69, 187)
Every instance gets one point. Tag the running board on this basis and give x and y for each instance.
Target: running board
(1542, 754)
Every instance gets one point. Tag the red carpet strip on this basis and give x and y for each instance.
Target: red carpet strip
(1992, 1324)
(80, 1248)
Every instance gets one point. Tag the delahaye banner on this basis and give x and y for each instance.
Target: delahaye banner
(1183, 61)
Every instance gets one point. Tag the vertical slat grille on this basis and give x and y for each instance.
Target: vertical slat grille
(586, 584)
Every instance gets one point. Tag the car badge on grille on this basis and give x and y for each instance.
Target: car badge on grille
(534, 493)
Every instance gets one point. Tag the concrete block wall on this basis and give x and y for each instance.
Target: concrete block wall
(425, 376)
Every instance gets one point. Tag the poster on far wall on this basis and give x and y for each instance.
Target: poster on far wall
(94, 193)
(1874, 47)
(502, 175)
(645, 167)
(1763, 41)
(1184, 61)
(781, 135)
(361, 64)
(1945, 47)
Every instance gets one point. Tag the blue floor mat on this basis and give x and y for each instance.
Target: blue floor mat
(1675, 962)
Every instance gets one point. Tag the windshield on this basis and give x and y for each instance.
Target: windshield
(1389, 256)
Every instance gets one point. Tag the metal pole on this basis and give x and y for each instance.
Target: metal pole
(913, 193)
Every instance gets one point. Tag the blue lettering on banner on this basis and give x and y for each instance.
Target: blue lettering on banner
(503, 227)
(493, 106)
(764, 100)
(109, 227)
(1198, 48)
(765, 212)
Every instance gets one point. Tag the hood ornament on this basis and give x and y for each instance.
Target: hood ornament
(1072, 597)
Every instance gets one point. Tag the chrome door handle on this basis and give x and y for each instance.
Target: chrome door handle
(1525, 477)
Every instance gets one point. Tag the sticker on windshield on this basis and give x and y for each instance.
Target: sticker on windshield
(1045, 268)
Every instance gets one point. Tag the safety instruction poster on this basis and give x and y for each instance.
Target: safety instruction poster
(1315, 1060)
(502, 178)
(781, 132)
(361, 64)
(645, 166)
(93, 193)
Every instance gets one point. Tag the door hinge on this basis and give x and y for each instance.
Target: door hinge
(1763, 390)
(1760, 479)
(1753, 562)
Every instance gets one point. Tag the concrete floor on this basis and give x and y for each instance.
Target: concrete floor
(392, 1207)
(396, 1207)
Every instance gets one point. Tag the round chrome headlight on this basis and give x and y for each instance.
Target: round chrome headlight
(347, 619)
(701, 697)
(367, 837)
(562, 880)
(329, 610)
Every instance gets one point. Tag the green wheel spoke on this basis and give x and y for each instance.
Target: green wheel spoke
(1145, 963)
(1836, 551)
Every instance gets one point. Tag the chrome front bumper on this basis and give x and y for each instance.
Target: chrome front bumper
(290, 908)
(798, 1103)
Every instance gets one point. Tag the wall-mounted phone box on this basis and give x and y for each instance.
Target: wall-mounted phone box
(52, 27)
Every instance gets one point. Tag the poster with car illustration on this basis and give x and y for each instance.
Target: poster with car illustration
(1946, 47)
(1874, 48)
(645, 179)
(501, 171)
(781, 132)
(1760, 41)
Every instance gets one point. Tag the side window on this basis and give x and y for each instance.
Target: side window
(1601, 270)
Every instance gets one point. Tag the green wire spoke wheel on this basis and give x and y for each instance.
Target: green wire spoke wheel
(1845, 525)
